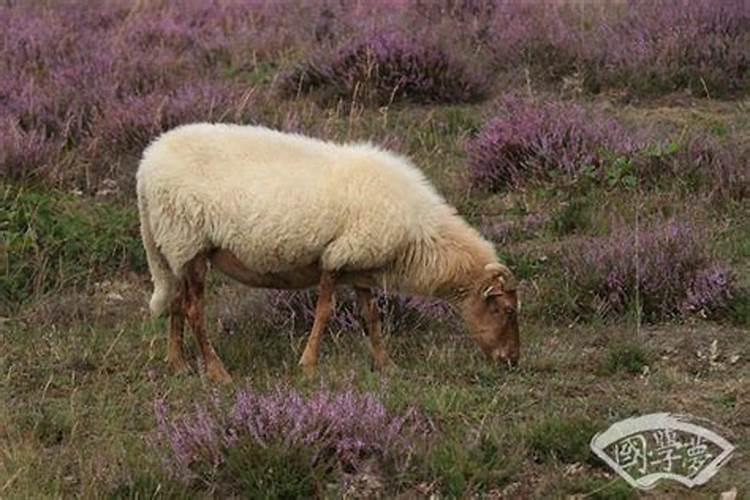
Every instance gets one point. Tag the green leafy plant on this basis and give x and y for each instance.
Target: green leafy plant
(53, 239)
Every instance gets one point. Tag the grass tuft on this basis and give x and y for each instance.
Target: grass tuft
(565, 439)
(626, 357)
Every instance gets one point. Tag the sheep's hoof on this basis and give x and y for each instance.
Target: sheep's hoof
(217, 374)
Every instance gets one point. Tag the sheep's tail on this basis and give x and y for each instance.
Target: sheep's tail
(165, 281)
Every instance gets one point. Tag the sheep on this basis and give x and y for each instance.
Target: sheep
(278, 210)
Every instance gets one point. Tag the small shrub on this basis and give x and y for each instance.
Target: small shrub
(665, 267)
(129, 124)
(306, 438)
(698, 163)
(710, 289)
(626, 357)
(92, 84)
(382, 68)
(531, 141)
(537, 36)
(563, 439)
(643, 46)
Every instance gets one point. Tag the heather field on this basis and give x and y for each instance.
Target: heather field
(602, 146)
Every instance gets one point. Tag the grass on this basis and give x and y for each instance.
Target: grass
(564, 439)
(626, 357)
(54, 240)
(489, 463)
(601, 489)
(272, 472)
(78, 405)
(572, 217)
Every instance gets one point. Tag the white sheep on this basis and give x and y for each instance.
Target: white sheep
(279, 210)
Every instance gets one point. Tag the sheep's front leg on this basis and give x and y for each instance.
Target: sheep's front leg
(323, 310)
(194, 288)
(371, 316)
(175, 353)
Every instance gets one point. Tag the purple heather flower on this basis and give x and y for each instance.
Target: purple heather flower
(388, 66)
(711, 289)
(345, 428)
(535, 140)
(667, 263)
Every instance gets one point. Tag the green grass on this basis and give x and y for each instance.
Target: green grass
(53, 240)
(272, 472)
(487, 464)
(564, 439)
(573, 217)
(626, 357)
(739, 310)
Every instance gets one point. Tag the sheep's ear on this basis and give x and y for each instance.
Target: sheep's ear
(504, 276)
(509, 283)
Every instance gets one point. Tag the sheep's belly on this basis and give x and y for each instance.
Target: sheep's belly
(299, 278)
(230, 265)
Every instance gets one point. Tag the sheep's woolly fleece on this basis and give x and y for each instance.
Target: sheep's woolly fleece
(281, 202)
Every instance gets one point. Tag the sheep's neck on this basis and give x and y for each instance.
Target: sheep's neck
(445, 265)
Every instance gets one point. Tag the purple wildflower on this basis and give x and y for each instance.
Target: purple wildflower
(529, 140)
(661, 46)
(24, 153)
(387, 67)
(711, 289)
(667, 266)
(342, 428)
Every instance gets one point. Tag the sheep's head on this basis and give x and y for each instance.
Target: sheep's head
(491, 311)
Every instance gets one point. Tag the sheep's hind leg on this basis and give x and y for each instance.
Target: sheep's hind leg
(323, 310)
(175, 353)
(372, 321)
(195, 282)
